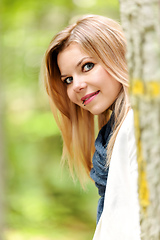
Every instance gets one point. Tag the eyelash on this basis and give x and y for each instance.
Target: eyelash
(83, 67)
(65, 80)
(86, 65)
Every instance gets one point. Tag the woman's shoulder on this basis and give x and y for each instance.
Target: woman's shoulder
(125, 143)
(126, 131)
(128, 123)
(121, 207)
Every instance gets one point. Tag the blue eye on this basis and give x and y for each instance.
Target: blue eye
(68, 80)
(88, 66)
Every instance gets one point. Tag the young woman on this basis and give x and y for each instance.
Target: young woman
(86, 75)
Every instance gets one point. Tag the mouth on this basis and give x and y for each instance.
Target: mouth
(89, 97)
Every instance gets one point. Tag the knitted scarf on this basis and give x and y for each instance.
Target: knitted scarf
(99, 172)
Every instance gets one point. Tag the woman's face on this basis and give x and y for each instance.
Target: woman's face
(89, 85)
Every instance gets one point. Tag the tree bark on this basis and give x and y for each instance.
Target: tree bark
(141, 23)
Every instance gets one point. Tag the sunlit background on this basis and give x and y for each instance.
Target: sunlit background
(42, 202)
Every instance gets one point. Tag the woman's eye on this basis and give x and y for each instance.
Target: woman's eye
(88, 66)
(68, 80)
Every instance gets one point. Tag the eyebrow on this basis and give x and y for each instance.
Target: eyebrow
(78, 64)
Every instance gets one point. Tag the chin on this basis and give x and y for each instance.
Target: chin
(97, 111)
(99, 108)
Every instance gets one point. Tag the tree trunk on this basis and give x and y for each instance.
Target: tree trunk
(141, 23)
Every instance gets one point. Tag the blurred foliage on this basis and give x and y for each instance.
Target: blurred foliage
(42, 201)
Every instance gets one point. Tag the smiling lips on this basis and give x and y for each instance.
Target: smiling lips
(89, 97)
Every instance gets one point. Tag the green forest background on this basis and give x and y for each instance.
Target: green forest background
(41, 200)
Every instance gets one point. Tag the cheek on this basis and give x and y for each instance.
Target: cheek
(68, 93)
(113, 84)
(118, 85)
(71, 95)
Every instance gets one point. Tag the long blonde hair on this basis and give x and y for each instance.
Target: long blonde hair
(102, 38)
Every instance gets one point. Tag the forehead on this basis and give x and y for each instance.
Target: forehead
(73, 46)
(72, 53)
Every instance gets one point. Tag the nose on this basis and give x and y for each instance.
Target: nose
(79, 84)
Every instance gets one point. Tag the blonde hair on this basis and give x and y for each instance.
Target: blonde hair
(103, 39)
